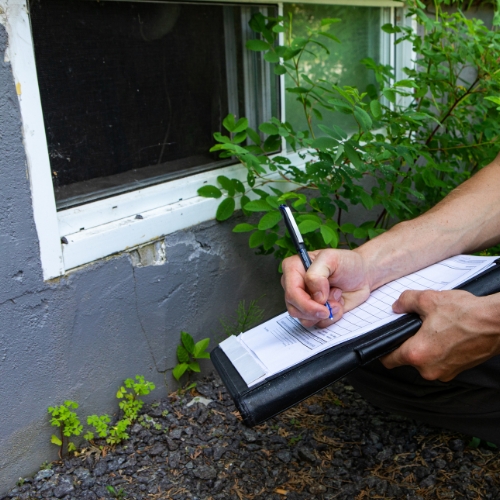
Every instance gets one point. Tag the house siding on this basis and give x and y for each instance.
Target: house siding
(79, 336)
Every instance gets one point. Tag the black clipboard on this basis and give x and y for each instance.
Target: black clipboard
(279, 392)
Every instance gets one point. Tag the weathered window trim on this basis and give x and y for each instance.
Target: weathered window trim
(80, 235)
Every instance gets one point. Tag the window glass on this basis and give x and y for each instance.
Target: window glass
(360, 35)
(132, 92)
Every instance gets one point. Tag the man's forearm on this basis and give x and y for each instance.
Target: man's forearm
(466, 220)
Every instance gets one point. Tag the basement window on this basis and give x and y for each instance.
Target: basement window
(132, 92)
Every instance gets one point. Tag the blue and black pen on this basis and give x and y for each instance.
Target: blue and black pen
(298, 242)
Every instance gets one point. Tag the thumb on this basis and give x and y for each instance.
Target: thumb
(408, 302)
(316, 280)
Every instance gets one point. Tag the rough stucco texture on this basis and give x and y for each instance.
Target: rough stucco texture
(80, 336)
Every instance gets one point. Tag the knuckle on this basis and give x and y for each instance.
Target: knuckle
(427, 299)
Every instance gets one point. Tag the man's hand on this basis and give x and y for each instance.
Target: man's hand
(459, 331)
(337, 276)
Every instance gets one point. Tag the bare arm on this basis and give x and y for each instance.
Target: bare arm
(467, 220)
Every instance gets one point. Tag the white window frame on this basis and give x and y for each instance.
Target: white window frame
(105, 227)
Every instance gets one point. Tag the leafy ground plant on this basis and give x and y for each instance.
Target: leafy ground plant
(68, 423)
(130, 393)
(414, 138)
(246, 318)
(187, 353)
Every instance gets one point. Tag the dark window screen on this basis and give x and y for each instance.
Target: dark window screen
(132, 92)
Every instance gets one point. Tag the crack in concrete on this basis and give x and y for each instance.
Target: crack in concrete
(140, 320)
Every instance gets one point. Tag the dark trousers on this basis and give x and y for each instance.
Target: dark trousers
(470, 403)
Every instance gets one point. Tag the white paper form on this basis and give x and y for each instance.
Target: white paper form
(282, 342)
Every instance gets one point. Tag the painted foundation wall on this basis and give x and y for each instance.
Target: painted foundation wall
(78, 337)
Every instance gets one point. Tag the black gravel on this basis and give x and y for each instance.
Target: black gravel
(335, 445)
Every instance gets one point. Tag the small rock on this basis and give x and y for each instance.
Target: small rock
(157, 449)
(205, 472)
(456, 445)
(65, 487)
(249, 435)
(440, 463)
(136, 428)
(172, 445)
(218, 452)
(315, 409)
(428, 482)
(284, 456)
(175, 433)
(43, 474)
(306, 454)
(100, 468)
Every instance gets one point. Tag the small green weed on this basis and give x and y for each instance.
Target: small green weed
(130, 392)
(246, 318)
(187, 353)
(115, 493)
(68, 423)
(100, 425)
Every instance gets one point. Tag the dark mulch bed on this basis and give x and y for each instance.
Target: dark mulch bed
(335, 445)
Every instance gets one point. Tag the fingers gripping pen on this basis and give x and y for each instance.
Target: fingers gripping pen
(298, 242)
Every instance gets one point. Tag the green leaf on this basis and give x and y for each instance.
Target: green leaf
(187, 342)
(238, 185)
(269, 220)
(200, 347)
(243, 202)
(390, 95)
(366, 200)
(244, 228)
(271, 57)
(241, 125)
(253, 135)
(329, 235)
(407, 84)
(324, 143)
(225, 209)
(270, 240)
(179, 370)
(334, 131)
(210, 192)
(258, 206)
(182, 354)
(360, 233)
(194, 366)
(229, 123)
(348, 228)
(268, 128)
(389, 28)
(363, 118)
(55, 440)
(279, 69)
(226, 184)
(256, 239)
(257, 45)
(353, 156)
(308, 226)
(376, 109)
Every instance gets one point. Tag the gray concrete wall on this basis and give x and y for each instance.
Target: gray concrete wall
(80, 336)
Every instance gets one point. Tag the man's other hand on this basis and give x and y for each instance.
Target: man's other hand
(459, 331)
(337, 276)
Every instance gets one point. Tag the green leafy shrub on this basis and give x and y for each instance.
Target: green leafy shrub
(68, 423)
(415, 139)
(100, 425)
(187, 353)
(130, 392)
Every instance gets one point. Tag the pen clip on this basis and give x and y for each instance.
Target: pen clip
(291, 225)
